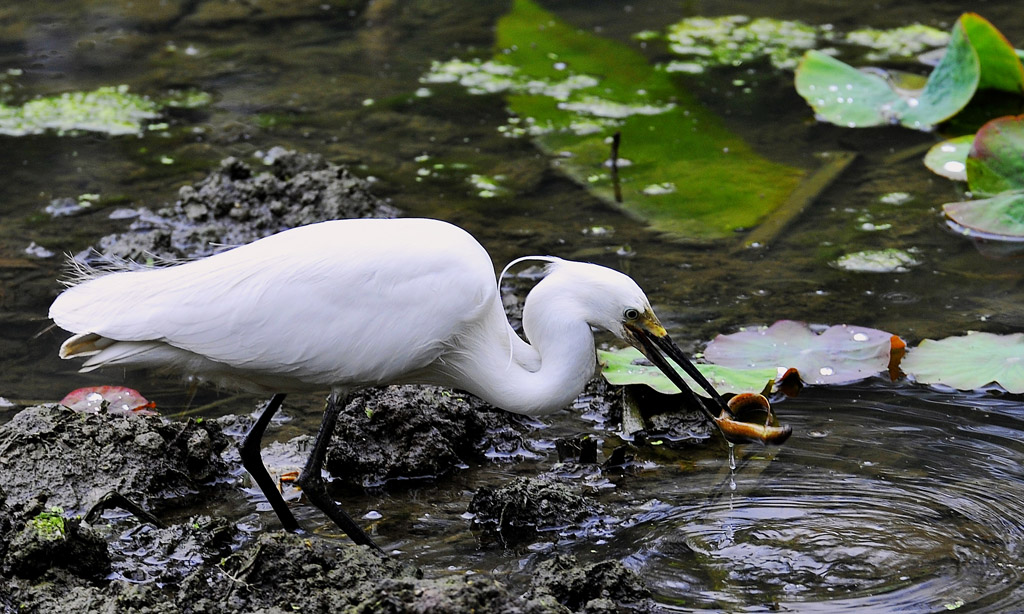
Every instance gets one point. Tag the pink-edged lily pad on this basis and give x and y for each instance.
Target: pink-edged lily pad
(838, 355)
(998, 218)
(996, 161)
(115, 399)
(628, 366)
(969, 362)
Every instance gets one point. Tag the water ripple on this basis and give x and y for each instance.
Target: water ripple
(910, 503)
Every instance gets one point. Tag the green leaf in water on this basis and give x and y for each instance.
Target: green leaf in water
(628, 366)
(998, 217)
(996, 160)
(840, 354)
(949, 158)
(572, 91)
(969, 362)
(1001, 69)
(845, 96)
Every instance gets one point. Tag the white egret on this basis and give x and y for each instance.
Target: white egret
(346, 304)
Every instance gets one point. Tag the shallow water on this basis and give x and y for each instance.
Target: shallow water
(888, 497)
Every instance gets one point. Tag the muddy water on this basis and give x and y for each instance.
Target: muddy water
(889, 496)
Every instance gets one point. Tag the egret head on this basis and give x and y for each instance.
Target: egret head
(613, 301)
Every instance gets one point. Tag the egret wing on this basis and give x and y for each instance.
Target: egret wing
(346, 301)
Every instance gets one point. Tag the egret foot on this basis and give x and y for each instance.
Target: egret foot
(253, 463)
(311, 479)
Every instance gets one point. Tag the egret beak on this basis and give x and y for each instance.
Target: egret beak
(648, 335)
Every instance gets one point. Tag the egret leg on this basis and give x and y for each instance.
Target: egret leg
(311, 479)
(253, 463)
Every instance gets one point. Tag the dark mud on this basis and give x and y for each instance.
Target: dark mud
(418, 432)
(52, 560)
(240, 202)
(528, 509)
(72, 459)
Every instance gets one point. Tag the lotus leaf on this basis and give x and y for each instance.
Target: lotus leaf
(846, 96)
(969, 362)
(999, 217)
(628, 366)
(949, 158)
(996, 161)
(1000, 67)
(570, 91)
(840, 354)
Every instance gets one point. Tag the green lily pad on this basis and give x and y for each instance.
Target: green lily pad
(570, 91)
(845, 96)
(1001, 69)
(949, 158)
(969, 362)
(840, 354)
(996, 160)
(628, 366)
(999, 217)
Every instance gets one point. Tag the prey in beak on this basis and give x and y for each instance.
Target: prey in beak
(647, 334)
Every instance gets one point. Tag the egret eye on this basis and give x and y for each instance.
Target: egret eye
(631, 314)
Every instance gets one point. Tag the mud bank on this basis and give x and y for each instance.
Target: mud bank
(57, 462)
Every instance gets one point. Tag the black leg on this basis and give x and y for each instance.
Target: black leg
(311, 480)
(253, 463)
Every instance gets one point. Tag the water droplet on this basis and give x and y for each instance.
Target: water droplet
(826, 371)
(860, 337)
(948, 148)
(954, 166)
(833, 88)
(912, 102)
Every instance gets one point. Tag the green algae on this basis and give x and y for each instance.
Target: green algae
(112, 110)
(734, 40)
(50, 525)
(890, 260)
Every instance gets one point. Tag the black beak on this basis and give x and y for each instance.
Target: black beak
(658, 347)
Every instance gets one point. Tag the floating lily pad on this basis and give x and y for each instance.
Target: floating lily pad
(1000, 67)
(891, 260)
(628, 366)
(949, 158)
(969, 362)
(839, 355)
(999, 217)
(996, 160)
(845, 96)
(570, 91)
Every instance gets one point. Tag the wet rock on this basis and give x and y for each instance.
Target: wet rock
(312, 574)
(51, 540)
(143, 553)
(605, 586)
(241, 202)
(72, 459)
(416, 432)
(527, 509)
